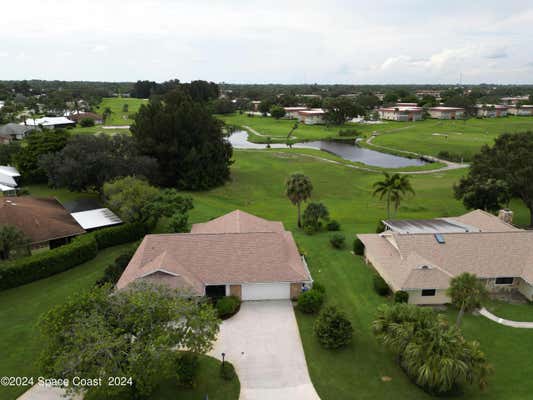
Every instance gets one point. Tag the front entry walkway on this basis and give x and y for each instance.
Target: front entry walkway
(263, 343)
(506, 322)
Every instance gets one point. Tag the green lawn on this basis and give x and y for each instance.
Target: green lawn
(20, 309)
(116, 104)
(62, 194)
(513, 312)
(93, 130)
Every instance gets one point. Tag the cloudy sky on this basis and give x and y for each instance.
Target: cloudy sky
(334, 41)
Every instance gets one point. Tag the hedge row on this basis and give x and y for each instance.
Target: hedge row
(81, 249)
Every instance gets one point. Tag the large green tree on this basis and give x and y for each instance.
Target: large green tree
(131, 333)
(467, 293)
(393, 188)
(185, 139)
(88, 161)
(12, 241)
(434, 354)
(35, 145)
(298, 189)
(340, 109)
(508, 160)
(489, 195)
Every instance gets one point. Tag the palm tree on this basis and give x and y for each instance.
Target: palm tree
(394, 188)
(299, 188)
(467, 293)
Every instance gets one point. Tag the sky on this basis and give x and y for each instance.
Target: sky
(249, 41)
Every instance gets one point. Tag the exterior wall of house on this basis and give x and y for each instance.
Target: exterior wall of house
(526, 289)
(491, 285)
(235, 290)
(491, 113)
(402, 116)
(521, 111)
(311, 119)
(438, 114)
(415, 297)
(296, 289)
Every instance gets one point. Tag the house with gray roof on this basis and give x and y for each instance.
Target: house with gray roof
(420, 257)
(11, 131)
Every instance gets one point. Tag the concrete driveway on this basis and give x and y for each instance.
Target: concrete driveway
(263, 343)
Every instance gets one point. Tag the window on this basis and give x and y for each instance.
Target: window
(428, 292)
(504, 281)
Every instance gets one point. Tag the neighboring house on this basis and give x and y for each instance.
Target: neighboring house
(49, 122)
(421, 93)
(422, 256)
(90, 214)
(491, 110)
(236, 254)
(12, 131)
(314, 116)
(43, 220)
(78, 116)
(255, 104)
(8, 181)
(292, 112)
(446, 112)
(401, 112)
(523, 110)
(514, 100)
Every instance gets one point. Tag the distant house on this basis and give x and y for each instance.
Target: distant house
(446, 112)
(313, 116)
(513, 100)
(255, 104)
(491, 110)
(434, 93)
(77, 117)
(8, 180)
(43, 220)
(11, 131)
(292, 112)
(420, 257)
(523, 110)
(50, 122)
(236, 254)
(401, 112)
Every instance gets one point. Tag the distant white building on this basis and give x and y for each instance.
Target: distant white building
(8, 183)
(401, 112)
(292, 112)
(513, 100)
(49, 122)
(446, 112)
(525, 110)
(491, 110)
(314, 116)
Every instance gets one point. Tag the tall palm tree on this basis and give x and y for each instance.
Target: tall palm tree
(298, 189)
(467, 293)
(393, 188)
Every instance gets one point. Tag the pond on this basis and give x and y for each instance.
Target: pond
(345, 150)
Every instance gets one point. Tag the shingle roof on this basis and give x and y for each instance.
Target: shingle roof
(499, 249)
(235, 248)
(12, 129)
(41, 219)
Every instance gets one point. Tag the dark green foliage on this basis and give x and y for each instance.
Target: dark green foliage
(337, 240)
(86, 122)
(334, 225)
(358, 247)
(13, 242)
(186, 369)
(314, 215)
(340, 109)
(490, 195)
(380, 286)
(113, 271)
(380, 227)
(227, 306)
(227, 371)
(318, 287)
(28, 269)
(332, 329)
(223, 106)
(8, 152)
(310, 302)
(142, 89)
(453, 157)
(277, 112)
(120, 234)
(186, 140)
(36, 145)
(401, 296)
(349, 132)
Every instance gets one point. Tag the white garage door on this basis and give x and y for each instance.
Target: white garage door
(266, 291)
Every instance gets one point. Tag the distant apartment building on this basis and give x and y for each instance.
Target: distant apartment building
(292, 112)
(525, 110)
(491, 110)
(314, 116)
(513, 100)
(446, 112)
(404, 112)
(433, 93)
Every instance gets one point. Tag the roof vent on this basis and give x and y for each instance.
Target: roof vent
(424, 267)
(439, 238)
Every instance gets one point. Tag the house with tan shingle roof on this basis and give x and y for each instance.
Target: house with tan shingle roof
(421, 256)
(236, 254)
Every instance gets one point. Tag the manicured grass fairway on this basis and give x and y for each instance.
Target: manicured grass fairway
(93, 130)
(513, 312)
(118, 117)
(257, 186)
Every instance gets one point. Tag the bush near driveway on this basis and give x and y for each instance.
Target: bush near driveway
(334, 225)
(332, 329)
(227, 306)
(310, 302)
(186, 369)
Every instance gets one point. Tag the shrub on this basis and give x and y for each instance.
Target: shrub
(86, 122)
(380, 227)
(401, 296)
(318, 287)
(187, 369)
(28, 269)
(227, 371)
(358, 247)
(113, 271)
(227, 306)
(120, 234)
(332, 329)
(380, 286)
(337, 240)
(313, 216)
(333, 225)
(310, 302)
(309, 230)
(349, 132)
